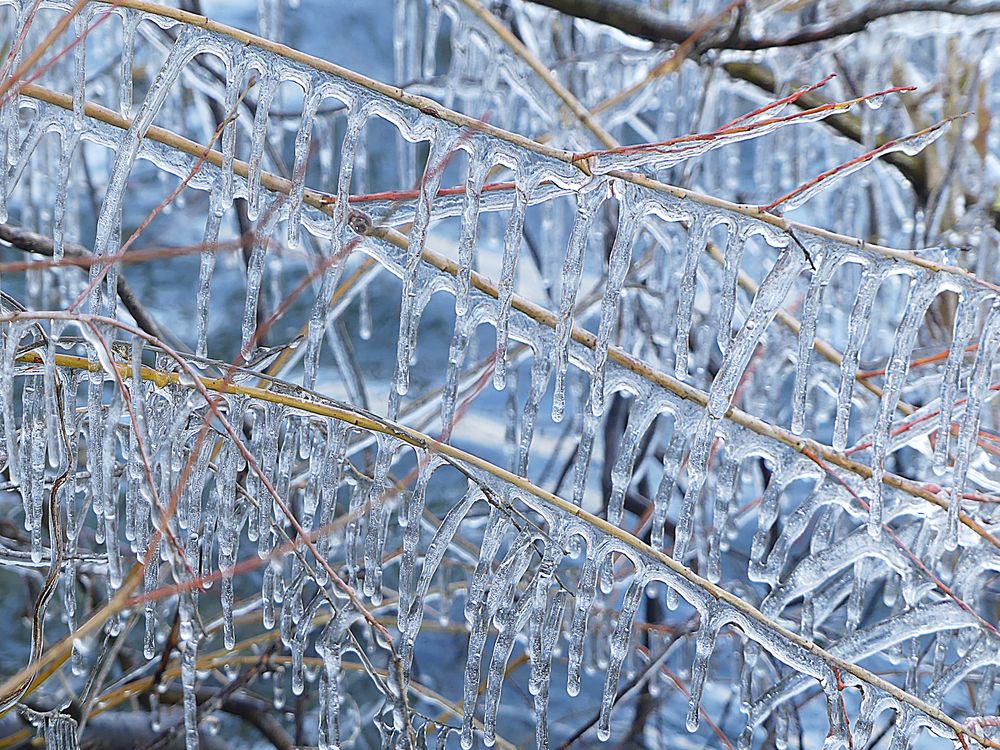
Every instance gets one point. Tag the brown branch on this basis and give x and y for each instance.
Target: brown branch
(256, 713)
(657, 26)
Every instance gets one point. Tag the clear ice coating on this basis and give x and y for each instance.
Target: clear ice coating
(743, 470)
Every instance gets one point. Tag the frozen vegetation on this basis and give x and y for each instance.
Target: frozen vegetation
(602, 374)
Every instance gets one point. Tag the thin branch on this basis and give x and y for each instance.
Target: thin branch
(38, 244)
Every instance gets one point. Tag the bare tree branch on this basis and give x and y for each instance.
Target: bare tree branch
(656, 26)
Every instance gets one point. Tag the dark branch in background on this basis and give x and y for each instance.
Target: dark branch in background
(255, 712)
(39, 244)
(656, 26)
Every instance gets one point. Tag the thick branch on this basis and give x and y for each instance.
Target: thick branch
(254, 712)
(657, 26)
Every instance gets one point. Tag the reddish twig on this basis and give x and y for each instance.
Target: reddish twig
(790, 99)
(715, 135)
(848, 167)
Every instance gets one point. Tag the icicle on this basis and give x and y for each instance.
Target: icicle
(184, 48)
(619, 261)
(807, 337)
(10, 430)
(150, 577)
(541, 669)
(333, 467)
(857, 330)
(329, 648)
(230, 519)
(411, 539)
(581, 463)
(441, 148)
(855, 601)
(735, 246)
(80, 27)
(375, 539)
(511, 250)
(352, 534)
(136, 474)
(476, 610)
(965, 321)
(664, 492)
(585, 594)
(210, 245)
(697, 239)
(643, 413)
(587, 204)
(110, 490)
(268, 86)
(708, 631)
(725, 491)
(267, 596)
(619, 650)
(512, 425)
(456, 357)
(60, 733)
(767, 513)
(541, 372)
(33, 473)
(697, 472)
(979, 383)
(188, 678)
(479, 170)
(130, 23)
(537, 621)
(510, 618)
(236, 74)
(432, 559)
(255, 275)
(64, 182)
(58, 730)
(923, 289)
(319, 319)
(771, 293)
(509, 623)
(303, 139)
(95, 444)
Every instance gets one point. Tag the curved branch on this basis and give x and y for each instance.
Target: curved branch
(656, 26)
(254, 712)
(913, 168)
